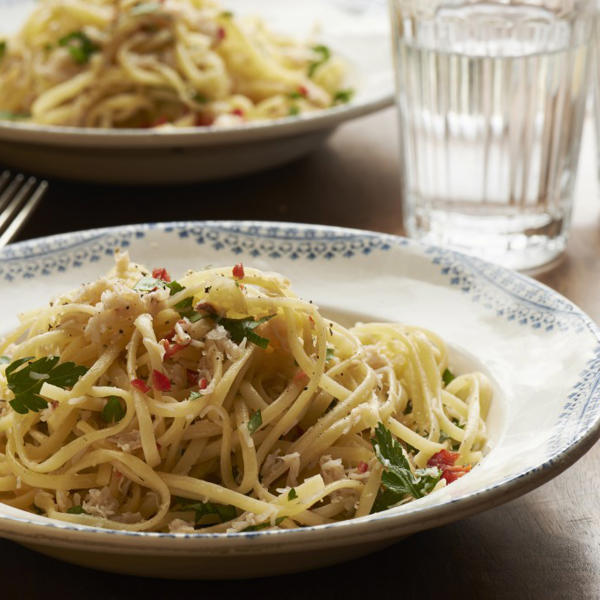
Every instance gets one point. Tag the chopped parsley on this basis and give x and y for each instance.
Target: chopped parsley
(25, 378)
(3, 46)
(343, 96)
(264, 525)
(199, 98)
(294, 111)
(226, 14)
(79, 45)
(149, 284)
(447, 376)
(7, 115)
(329, 354)
(292, 495)
(4, 360)
(222, 512)
(323, 53)
(255, 421)
(76, 510)
(194, 395)
(113, 411)
(398, 480)
(186, 309)
(244, 328)
(174, 287)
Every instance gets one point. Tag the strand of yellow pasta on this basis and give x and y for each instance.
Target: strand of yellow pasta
(369, 492)
(246, 443)
(197, 489)
(146, 429)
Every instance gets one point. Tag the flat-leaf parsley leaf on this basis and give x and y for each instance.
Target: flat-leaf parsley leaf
(25, 382)
(448, 376)
(343, 96)
(113, 411)
(79, 45)
(76, 510)
(398, 480)
(255, 421)
(244, 328)
(222, 512)
(323, 53)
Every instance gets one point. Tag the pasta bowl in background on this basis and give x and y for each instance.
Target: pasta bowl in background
(358, 34)
(541, 352)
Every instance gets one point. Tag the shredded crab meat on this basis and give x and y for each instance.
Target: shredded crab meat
(128, 517)
(181, 526)
(251, 520)
(181, 335)
(128, 441)
(100, 503)
(63, 500)
(220, 337)
(271, 468)
(332, 469)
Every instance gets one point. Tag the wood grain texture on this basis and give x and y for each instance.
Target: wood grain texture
(544, 545)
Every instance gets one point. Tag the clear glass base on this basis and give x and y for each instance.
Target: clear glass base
(523, 242)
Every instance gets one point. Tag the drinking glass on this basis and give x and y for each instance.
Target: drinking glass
(491, 100)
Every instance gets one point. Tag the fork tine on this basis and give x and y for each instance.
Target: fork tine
(17, 212)
(19, 195)
(9, 192)
(4, 179)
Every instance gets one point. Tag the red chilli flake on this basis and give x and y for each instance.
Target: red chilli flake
(203, 383)
(300, 376)
(160, 121)
(141, 385)
(161, 381)
(238, 112)
(161, 274)
(302, 90)
(363, 467)
(238, 271)
(171, 349)
(221, 34)
(192, 377)
(444, 460)
(204, 120)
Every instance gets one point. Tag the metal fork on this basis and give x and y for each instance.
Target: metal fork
(19, 197)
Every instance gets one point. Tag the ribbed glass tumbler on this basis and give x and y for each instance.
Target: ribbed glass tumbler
(491, 99)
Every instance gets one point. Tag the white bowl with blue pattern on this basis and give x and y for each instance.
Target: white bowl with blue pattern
(357, 31)
(541, 351)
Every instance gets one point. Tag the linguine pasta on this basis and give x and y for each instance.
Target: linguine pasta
(146, 63)
(223, 402)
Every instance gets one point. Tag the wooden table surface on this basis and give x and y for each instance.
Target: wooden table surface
(543, 545)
